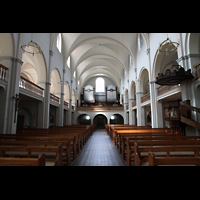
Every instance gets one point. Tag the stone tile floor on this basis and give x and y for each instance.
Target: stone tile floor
(99, 151)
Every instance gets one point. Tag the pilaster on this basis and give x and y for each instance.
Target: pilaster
(13, 90)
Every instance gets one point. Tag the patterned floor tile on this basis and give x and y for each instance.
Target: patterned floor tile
(99, 151)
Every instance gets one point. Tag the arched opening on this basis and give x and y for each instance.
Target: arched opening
(34, 68)
(162, 62)
(73, 97)
(67, 93)
(144, 79)
(84, 119)
(51, 119)
(6, 48)
(25, 118)
(55, 83)
(2, 107)
(133, 91)
(197, 97)
(116, 119)
(100, 121)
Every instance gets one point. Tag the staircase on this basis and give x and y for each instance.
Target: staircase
(189, 115)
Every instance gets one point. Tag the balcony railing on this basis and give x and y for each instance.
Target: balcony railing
(146, 97)
(197, 70)
(165, 88)
(134, 103)
(30, 86)
(54, 98)
(3, 70)
(100, 108)
(66, 104)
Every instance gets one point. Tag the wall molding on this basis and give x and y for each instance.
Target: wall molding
(188, 56)
(12, 59)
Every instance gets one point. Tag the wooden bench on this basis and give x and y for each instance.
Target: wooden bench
(69, 146)
(40, 161)
(155, 161)
(144, 130)
(165, 151)
(134, 146)
(72, 137)
(139, 145)
(122, 146)
(21, 151)
(66, 148)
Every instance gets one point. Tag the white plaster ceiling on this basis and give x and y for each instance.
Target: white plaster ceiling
(105, 54)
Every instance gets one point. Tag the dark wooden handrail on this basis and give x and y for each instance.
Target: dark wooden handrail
(31, 83)
(3, 70)
(188, 111)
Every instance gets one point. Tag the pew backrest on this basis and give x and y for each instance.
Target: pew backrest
(155, 161)
(40, 161)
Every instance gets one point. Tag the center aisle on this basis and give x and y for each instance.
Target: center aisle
(99, 151)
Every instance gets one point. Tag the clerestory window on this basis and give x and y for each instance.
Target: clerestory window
(59, 42)
(100, 85)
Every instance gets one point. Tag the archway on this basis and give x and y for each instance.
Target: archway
(55, 80)
(84, 119)
(2, 108)
(162, 62)
(34, 67)
(26, 118)
(144, 79)
(197, 97)
(67, 93)
(100, 121)
(116, 119)
(6, 49)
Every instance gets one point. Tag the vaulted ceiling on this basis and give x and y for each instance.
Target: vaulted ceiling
(100, 54)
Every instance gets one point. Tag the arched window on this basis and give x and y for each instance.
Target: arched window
(140, 41)
(100, 85)
(68, 62)
(59, 42)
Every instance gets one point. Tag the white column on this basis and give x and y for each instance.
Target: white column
(13, 89)
(140, 110)
(61, 107)
(154, 110)
(46, 106)
(131, 112)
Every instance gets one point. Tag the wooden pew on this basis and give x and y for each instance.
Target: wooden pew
(68, 146)
(122, 146)
(155, 161)
(77, 136)
(142, 130)
(21, 151)
(40, 161)
(165, 151)
(134, 145)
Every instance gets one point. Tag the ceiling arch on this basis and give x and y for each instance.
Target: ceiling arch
(101, 38)
(106, 53)
(97, 74)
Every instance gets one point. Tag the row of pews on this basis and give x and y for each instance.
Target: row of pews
(146, 146)
(56, 146)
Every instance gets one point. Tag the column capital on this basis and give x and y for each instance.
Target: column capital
(51, 52)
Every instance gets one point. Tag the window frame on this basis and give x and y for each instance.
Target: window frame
(59, 42)
(102, 85)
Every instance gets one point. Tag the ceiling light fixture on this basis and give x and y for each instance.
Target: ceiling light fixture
(172, 46)
(34, 50)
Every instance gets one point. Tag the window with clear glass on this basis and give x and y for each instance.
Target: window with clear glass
(100, 85)
(59, 42)
(140, 41)
(68, 62)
